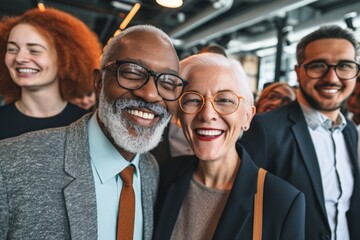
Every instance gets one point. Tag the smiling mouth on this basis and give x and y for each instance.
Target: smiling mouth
(208, 133)
(141, 114)
(329, 91)
(27, 70)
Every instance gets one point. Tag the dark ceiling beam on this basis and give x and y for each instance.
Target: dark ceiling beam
(300, 30)
(244, 19)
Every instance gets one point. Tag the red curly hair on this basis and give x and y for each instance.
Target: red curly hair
(78, 50)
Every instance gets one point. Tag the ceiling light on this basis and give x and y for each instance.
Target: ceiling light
(122, 6)
(41, 6)
(129, 16)
(170, 3)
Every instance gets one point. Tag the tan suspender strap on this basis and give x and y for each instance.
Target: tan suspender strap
(258, 205)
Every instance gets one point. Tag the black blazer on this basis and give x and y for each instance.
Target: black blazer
(284, 206)
(280, 142)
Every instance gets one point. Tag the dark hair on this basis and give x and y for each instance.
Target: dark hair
(77, 47)
(213, 48)
(332, 31)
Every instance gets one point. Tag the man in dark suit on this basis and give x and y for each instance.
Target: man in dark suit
(310, 143)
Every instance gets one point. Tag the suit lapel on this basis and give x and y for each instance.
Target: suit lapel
(308, 153)
(174, 199)
(351, 144)
(149, 173)
(80, 199)
(236, 219)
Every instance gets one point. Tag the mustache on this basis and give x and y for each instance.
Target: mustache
(329, 85)
(124, 103)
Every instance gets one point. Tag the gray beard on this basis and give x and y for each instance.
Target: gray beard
(141, 139)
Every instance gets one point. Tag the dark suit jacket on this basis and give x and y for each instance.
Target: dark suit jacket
(284, 206)
(280, 142)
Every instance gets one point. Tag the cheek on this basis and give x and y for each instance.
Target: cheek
(171, 106)
(9, 60)
(186, 121)
(113, 91)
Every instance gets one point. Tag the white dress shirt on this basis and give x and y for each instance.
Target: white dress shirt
(335, 168)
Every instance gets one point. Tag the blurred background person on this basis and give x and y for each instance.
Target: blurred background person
(353, 109)
(210, 195)
(47, 58)
(86, 101)
(213, 48)
(275, 95)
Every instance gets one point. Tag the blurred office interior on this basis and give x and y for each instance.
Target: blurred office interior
(261, 34)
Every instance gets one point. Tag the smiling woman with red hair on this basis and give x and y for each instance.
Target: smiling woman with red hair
(47, 58)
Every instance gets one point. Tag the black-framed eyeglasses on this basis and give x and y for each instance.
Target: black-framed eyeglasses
(133, 76)
(344, 70)
(223, 103)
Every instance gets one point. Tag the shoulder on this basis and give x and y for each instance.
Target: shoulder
(279, 114)
(32, 149)
(72, 109)
(178, 166)
(278, 186)
(178, 163)
(350, 125)
(40, 138)
(8, 109)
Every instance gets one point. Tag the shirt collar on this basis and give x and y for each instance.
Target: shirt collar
(108, 162)
(315, 119)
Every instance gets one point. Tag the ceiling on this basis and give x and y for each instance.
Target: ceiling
(240, 26)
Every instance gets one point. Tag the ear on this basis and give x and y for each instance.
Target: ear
(97, 81)
(249, 115)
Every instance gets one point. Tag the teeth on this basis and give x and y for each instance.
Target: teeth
(208, 132)
(329, 90)
(27, 70)
(141, 114)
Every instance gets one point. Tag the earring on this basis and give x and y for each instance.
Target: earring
(244, 128)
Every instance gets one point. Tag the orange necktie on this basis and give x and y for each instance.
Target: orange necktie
(126, 215)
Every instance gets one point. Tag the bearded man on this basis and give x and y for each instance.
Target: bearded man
(309, 142)
(64, 183)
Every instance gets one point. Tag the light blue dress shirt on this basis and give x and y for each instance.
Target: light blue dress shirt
(107, 163)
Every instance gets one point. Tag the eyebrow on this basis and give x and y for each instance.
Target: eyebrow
(325, 60)
(220, 91)
(139, 61)
(29, 45)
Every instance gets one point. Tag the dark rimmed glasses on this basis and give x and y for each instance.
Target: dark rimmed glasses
(344, 70)
(133, 76)
(223, 103)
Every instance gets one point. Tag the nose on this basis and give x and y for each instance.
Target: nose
(207, 113)
(22, 56)
(148, 92)
(331, 75)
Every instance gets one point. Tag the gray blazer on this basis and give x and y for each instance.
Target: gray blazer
(47, 188)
